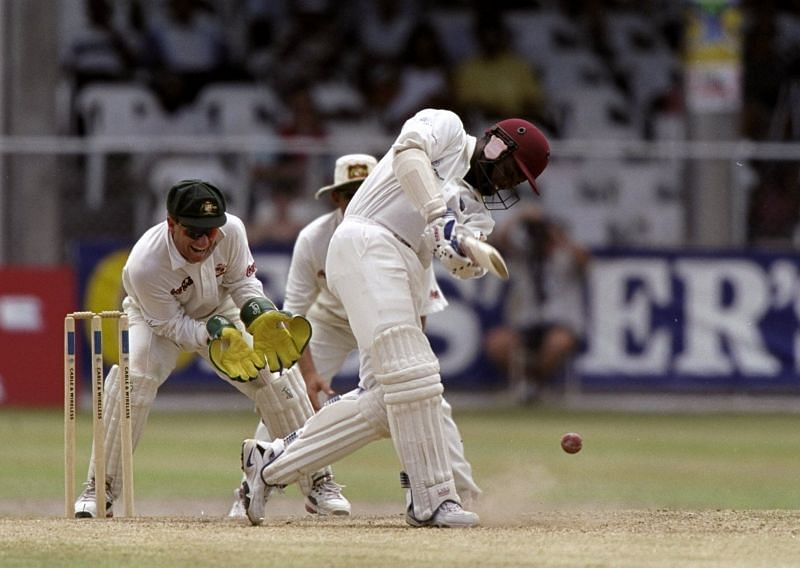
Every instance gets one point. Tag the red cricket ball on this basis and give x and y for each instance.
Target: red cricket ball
(571, 442)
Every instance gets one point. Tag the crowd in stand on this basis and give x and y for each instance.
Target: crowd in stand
(375, 62)
(771, 94)
(594, 68)
(361, 59)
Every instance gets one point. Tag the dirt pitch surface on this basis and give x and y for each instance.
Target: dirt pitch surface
(637, 538)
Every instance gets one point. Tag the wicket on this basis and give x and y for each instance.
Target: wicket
(98, 426)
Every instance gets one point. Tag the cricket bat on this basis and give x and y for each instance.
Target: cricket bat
(484, 255)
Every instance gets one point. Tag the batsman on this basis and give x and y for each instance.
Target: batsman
(426, 198)
(191, 286)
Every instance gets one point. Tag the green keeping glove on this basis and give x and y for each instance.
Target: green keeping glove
(278, 336)
(230, 353)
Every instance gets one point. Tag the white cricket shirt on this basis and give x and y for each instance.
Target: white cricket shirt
(440, 134)
(175, 296)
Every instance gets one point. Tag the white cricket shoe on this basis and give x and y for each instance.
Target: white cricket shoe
(449, 515)
(325, 497)
(86, 506)
(238, 509)
(255, 455)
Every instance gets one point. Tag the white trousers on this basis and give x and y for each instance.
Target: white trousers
(379, 280)
(382, 285)
(331, 343)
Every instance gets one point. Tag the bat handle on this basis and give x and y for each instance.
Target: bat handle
(455, 243)
(461, 234)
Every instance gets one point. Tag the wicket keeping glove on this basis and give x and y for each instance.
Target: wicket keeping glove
(278, 336)
(444, 233)
(229, 352)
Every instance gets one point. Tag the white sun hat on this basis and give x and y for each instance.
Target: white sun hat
(351, 169)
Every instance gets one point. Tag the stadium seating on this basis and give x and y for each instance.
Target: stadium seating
(115, 109)
(238, 108)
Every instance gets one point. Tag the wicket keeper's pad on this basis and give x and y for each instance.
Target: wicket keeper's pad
(283, 402)
(143, 393)
(408, 371)
(337, 430)
(284, 407)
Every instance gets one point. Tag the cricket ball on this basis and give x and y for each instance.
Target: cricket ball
(571, 442)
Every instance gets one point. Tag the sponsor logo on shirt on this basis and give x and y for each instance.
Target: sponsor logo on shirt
(183, 287)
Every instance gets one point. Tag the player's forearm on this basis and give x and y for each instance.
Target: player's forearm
(245, 289)
(414, 172)
(187, 332)
(306, 363)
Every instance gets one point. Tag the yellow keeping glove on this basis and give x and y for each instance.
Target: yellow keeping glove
(230, 353)
(278, 336)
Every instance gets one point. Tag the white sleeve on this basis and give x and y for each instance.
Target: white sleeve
(162, 313)
(414, 171)
(435, 132)
(469, 208)
(240, 278)
(301, 286)
(424, 138)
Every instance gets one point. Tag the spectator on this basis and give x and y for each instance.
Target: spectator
(100, 51)
(763, 74)
(422, 79)
(262, 19)
(260, 60)
(497, 81)
(311, 43)
(387, 27)
(186, 51)
(284, 183)
(773, 214)
(544, 324)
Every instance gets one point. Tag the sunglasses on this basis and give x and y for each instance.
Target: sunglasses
(195, 233)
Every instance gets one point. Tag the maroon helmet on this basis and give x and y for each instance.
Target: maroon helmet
(528, 145)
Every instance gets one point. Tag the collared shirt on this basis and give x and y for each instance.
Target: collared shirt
(176, 296)
(307, 282)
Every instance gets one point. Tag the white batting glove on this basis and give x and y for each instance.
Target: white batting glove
(444, 233)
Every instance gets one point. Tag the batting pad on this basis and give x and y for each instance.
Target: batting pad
(337, 430)
(284, 407)
(408, 370)
(143, 393)
(283, 402)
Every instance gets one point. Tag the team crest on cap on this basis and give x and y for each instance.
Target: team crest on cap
(208, 208)
(357, 171)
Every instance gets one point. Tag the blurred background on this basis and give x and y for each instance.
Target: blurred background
(660, 260)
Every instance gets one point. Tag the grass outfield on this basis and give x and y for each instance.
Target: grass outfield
(647, 489)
